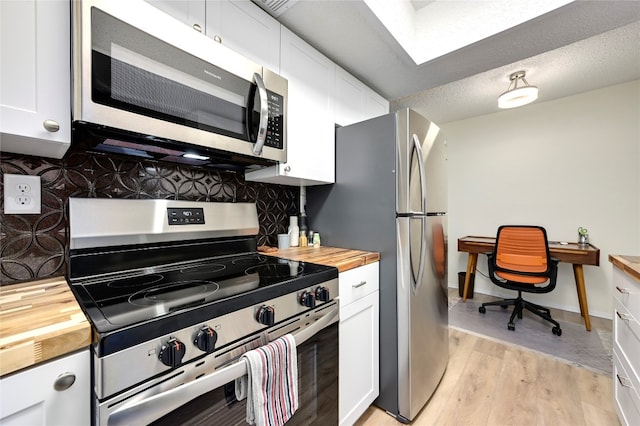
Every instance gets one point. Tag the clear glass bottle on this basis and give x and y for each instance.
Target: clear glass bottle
(303, 239)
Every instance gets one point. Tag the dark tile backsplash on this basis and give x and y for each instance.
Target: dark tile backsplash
(34, 246)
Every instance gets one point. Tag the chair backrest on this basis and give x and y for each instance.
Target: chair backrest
(522, 254)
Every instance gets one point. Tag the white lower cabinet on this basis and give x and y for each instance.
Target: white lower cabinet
(626, 347)
(359, 379)
(57, 392)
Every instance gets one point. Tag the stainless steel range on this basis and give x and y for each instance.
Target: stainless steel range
(176, 291)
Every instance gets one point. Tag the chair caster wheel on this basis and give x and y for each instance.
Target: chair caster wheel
(511, 326)
(482, 309)
(557, 331)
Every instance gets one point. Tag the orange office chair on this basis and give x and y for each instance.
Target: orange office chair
(520, 261)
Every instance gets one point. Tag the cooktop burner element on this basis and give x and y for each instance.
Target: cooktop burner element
(144, 280)
(279, 270)
(176, 294)
(202, 270)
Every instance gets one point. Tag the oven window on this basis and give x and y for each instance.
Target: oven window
(136, 72)
(318, 391)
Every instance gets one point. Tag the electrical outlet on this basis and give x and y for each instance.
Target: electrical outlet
(22, 194)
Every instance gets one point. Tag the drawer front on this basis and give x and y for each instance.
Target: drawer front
(358, 282)
(626, 330)
(627, 290)
(626, 391)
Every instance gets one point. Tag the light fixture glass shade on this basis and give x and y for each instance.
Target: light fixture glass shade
(517, 96)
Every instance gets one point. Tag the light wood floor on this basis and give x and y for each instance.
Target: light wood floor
(491, 383)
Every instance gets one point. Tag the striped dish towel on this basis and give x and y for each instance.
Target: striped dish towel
(271, 383)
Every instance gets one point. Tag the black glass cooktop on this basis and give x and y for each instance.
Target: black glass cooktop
(121, 300)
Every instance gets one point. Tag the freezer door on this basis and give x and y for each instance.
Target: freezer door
(422, 310)
(421, 157)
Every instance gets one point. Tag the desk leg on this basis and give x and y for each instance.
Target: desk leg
(471, 269)
(578, 274)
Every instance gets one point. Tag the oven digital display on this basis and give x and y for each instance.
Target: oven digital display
(185, 216)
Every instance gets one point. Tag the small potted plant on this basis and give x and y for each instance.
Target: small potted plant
(583, 235)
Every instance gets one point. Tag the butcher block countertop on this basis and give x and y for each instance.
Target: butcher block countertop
(629, 264)
(343, 259)
(39, 320)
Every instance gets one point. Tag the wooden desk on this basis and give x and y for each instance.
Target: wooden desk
(574, 253)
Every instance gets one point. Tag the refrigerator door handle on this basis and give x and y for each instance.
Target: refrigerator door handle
(423, 182)
(423, 251)
(423, 199)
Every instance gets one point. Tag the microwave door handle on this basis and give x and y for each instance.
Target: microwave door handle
(264, 115)
(154, 407)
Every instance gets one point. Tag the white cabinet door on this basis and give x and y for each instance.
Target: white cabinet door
(190, 12)
(359, 377)
(30, 397)
(354, 101)
(310, 117)
(374, 104)
(359, 357)
(35, 77)
(626, 347)
(244, 27)
(349, 98)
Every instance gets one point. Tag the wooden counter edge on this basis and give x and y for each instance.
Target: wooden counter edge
(629, 268)
(44, 343)
(344, 259)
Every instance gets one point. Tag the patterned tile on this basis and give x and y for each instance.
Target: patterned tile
(34, 246)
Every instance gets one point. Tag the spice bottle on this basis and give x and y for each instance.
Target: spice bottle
(316, 239)
(303, 239)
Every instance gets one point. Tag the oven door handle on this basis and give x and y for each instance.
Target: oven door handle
(149, 409)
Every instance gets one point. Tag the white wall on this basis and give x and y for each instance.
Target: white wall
(560, 164)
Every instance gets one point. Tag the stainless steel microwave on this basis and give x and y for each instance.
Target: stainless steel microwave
(145, 84)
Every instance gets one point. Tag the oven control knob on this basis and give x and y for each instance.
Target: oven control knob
(206, 339)
(266, 315)
(172, 352)
(308, 299)
(322, 294)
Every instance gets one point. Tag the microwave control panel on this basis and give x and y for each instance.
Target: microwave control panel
(275, 126)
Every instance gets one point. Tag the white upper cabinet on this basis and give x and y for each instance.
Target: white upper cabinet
(244, 27)
(310, 117)
(354, 101)
(374, 104)
(190, 12)
(35, 77)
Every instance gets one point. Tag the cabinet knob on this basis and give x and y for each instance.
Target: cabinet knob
(51, 125)
(64, 381)
(197, 27)
(287, 169)
(217, 39)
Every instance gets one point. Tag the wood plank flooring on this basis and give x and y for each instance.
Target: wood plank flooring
(491, 383)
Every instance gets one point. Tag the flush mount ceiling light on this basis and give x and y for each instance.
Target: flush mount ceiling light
(517, 96)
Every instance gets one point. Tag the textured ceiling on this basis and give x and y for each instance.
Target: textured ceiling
(579, 47)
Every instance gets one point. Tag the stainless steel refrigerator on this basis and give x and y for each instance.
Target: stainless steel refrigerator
(390, 196)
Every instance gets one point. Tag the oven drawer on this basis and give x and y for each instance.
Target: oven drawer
(358, 282)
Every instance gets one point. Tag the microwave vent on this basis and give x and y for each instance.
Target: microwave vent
(275, 7)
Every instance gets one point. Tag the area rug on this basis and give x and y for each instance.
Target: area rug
(575, 345)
